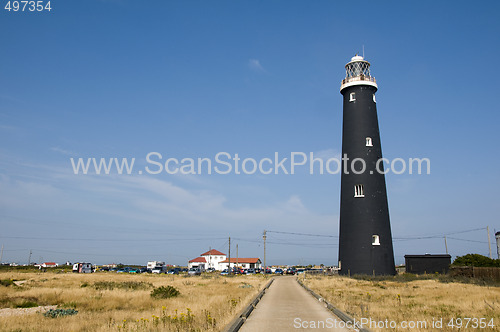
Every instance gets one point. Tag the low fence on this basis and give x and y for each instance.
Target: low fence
(237, 322)
(488, 273)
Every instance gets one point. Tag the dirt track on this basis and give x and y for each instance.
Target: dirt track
(25, 311)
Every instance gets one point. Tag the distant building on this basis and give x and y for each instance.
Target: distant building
(209, 259)
(421, 264)
(49, 264)
(245, 263)
(217, 260)
(198, 262)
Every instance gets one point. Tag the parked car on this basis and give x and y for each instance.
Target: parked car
(290, 271)
(123, 270)
(210, 269)
(224, 272)
(278, 271)
(250, 271)
(134, 270)
(194, 271)
(174, 271)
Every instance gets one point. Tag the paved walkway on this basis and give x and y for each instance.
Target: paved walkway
(286, 306)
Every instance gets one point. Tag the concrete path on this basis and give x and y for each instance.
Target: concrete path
(287, 306)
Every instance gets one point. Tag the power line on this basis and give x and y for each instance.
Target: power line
(437, 236)
(466, 240)
(111, 240)
(303, 234)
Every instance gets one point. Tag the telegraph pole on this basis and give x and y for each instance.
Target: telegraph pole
(264, 237)
(1, 255)
(489, 242)
(29, 259)
(446, 244)
(237, 266)
(229, 259)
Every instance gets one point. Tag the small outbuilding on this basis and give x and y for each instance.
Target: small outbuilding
(420, 264)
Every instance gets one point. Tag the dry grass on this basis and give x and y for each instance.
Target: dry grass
(205, 303)
(414, 300)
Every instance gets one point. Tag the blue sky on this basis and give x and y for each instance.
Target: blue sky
(115, 78)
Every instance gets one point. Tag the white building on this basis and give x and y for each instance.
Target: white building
(244, 263)
(209, 259)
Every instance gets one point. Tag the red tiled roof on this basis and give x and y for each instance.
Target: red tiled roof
(243, 260)
(213, 252)
(50, 263)
(198, 260)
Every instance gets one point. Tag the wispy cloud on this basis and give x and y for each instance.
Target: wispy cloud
(327, 154)
(63, 151)
(254, 64)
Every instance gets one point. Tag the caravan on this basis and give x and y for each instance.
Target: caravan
(82, 268)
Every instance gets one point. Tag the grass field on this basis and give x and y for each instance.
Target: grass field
(123, 302)
(410, 299)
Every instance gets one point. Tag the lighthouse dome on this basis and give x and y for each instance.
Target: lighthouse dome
(357, 58)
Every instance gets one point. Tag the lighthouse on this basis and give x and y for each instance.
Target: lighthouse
(365, 243)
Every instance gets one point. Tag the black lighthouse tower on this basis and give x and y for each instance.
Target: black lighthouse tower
(365, 245)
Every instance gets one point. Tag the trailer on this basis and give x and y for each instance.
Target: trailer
(82, 268)
(156, 265)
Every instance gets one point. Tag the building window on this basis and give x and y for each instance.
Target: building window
(375, 240)
(352, 96)
(358, 191)
(374, 100)
(369, 141)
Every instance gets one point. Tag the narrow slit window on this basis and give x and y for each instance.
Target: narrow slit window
(374, 99)
(352, 96)
(358, 191)
(369, 141)
(375, 240)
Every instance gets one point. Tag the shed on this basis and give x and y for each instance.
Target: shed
(420, 264)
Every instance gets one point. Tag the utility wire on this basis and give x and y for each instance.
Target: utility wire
(111, 240)
(303, 234)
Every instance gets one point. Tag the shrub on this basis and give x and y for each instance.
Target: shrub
(164, 292)
(476, 260)
(27, 304)
(128, 285)
(6, 282)
(54, 313)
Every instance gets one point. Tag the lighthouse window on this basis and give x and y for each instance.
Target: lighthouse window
(352, 96)
(374, 100)
(369, 141)
(375, 240)
(358, 191)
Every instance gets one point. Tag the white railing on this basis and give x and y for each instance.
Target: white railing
(358, 78)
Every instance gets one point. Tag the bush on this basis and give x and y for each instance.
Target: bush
(127, 285)
(164, 292)
(476, 260)
(6, 282)
(27, 304)
(54, 313)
